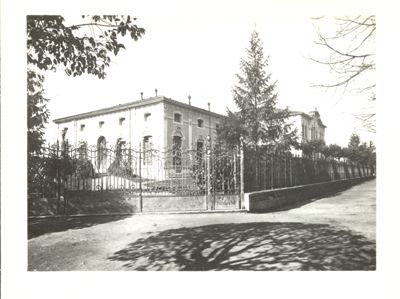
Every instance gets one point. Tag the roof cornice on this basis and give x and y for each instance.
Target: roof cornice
(126, 106)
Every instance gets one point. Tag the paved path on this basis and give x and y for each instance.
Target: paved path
(335, 233)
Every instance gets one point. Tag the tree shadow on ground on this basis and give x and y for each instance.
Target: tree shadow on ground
(250, 246)
(41, 226)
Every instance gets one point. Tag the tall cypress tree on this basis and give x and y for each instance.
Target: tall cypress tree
(257, 119)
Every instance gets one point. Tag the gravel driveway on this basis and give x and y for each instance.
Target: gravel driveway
(334, 233)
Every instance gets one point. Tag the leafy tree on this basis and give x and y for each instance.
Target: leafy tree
(38, 113)
(258, 121)
(354, 151)
(312, 147)
(333, 151)
(370, 156)
(351, 58)
(79, 48)
(361, 153)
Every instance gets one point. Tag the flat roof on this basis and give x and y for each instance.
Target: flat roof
(140, 103)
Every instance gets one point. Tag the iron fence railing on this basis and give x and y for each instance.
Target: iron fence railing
(211, 172)
(270, 171)
(166, 172)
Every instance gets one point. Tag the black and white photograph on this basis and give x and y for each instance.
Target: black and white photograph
(166, 137)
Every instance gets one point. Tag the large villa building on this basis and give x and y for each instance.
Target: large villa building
(160, 123)
(309, 126)
(156, 122)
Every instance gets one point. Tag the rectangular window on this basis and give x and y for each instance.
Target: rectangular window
(200, 123)
(101, 123)
(121, 121)
(177, 118)
(82, 128)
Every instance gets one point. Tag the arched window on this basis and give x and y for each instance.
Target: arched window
(147, 117)
(64, 138)
(119, 150)
(101, 154)
(199, 151)
(147, 149)
(177, 153)
(82, 151)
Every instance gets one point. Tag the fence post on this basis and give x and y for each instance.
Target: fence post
(208, 167)
(285, 170)
(241, 198)
(235, 170)
(290, 172)
(58, 177)
(140, 179)
(64, 153)
(272, 172)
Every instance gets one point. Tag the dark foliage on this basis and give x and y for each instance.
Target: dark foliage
(38, 113)
(80, 48)
(312, 148)
(52, 165)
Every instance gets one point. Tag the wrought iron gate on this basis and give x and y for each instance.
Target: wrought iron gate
(174, 179)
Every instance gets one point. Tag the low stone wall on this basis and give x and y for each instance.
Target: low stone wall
(173, 203)
(42, 206)
(100, 202)
(84, 202)
(105, 202)
(285, 198)
(226, 202)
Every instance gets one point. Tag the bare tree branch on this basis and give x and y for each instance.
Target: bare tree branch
(350, 57)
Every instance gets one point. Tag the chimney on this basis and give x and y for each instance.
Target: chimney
(141, 95)
(156, 91)
(189, 97)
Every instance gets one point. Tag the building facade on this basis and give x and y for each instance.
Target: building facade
(154, 134)
(156, 122)
(162, 123)
(309, 126)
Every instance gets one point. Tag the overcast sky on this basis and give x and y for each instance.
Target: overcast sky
(192, 50)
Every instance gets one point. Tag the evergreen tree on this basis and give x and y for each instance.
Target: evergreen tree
(257, 119)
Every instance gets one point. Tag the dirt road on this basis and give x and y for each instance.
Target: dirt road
(335, 233)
